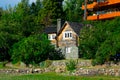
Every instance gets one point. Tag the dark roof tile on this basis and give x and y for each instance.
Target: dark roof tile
(51, 29)
(76, 26)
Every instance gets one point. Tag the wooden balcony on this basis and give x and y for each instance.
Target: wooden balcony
(101, 4)
(104, 16)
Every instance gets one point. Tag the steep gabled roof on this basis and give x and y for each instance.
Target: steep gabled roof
(51, 29)
(74, 25)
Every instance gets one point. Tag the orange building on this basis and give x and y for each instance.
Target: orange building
(102, 9)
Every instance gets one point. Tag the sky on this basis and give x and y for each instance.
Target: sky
(5, 3)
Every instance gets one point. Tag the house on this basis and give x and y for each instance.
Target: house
(65, 37)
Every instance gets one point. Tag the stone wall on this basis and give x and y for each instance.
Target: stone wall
(80, 63)
(83, 68)
(77, 72)
(73, 52)
(92, 72)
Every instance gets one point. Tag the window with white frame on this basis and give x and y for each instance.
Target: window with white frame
(68, 49)
(67, 35)
(51, 36)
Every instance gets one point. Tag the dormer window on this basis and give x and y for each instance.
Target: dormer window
(67, 35)
(51, 36)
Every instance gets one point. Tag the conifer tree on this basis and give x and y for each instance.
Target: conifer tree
(52, 9)
(72, 9)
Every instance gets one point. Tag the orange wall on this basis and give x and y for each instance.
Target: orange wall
(95, 4)
(104, 16)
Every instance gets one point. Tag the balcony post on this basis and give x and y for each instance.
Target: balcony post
(85, 10)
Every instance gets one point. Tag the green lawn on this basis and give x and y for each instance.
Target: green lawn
(53, 76)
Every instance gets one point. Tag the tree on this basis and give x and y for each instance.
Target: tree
(35, 7)
(51, 10)
(33, 49)
(1, 10)
(73, 11)
(101, 41)
(9, 34)
(17, 23)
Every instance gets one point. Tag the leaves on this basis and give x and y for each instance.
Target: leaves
(72, 10)
(51, 10)
(32, 49)
(100, 42)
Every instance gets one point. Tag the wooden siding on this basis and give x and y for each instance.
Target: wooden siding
(67, 42)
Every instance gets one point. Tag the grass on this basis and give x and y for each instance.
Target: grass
(53, 76)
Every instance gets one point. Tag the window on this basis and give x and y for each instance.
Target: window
(101, 1)
(67, 35)
(51, 36)
(68, 49)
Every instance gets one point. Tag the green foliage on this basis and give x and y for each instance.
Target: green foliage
(17, 23)
(51, 10)
(56, 55)
(2, 64)
(7, 41)
(45, 64)
(101, 42)
(72, 10)
(71, 65)
(88, 43)
(33, 49)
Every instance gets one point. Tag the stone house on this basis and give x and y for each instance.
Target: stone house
(65, 37)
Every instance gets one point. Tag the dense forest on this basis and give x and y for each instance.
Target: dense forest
(101, 41)
(22, 35)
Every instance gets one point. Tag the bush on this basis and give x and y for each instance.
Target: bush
(45, 64)
(32, 50)
(2, 64)
(56, 55)
(94, 62)
(71, 65)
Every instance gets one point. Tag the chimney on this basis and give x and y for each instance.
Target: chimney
(58, 25)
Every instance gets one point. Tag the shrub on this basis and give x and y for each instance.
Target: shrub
(71, 65)
(45, 64)
(94, 62)
(32, 50)
(56, 55)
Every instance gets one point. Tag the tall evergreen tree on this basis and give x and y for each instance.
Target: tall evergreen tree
(1, 10)
(52, 9)
(35, 7)
(72, 9)
(16, 23)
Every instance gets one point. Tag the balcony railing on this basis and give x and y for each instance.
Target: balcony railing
(100, 3)
(103, 16)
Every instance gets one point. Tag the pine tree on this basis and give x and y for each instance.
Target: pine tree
(72, 9)
(52, 9)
